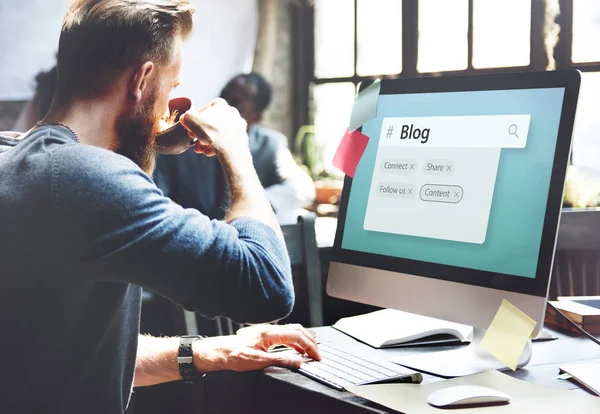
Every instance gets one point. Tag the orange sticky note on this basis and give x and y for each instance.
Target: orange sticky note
(508, 333)
(350, 151)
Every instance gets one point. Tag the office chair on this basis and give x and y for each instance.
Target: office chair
(301, 243)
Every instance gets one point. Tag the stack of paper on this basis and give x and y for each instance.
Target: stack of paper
(586, 374)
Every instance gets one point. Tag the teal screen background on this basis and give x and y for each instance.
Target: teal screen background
(522, 183)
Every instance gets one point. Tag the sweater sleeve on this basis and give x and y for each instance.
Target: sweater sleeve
(122, 229)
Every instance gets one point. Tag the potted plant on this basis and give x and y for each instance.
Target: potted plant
(308, 152)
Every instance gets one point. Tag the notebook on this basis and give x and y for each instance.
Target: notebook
(389, 328)
(586, 374)
(593, 301)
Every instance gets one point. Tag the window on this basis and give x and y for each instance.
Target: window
(586, 145)
(357, 40)
(333, 104)
(586, 31)
(334, 38)
(443, 35)
(379, 41)
(354, 39)
(585, 56)
(501, 33)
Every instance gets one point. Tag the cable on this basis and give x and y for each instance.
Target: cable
(577, 327)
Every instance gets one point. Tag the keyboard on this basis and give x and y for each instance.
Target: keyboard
(339, 369)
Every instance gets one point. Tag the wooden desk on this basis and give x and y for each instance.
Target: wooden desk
(283, 391)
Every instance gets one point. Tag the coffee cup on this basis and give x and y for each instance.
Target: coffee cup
(175, 139)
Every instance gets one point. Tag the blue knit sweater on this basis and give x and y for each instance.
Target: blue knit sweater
(82, 229)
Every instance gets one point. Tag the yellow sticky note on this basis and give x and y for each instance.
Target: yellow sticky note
(508, 333)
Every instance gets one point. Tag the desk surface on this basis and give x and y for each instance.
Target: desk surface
(280, 390)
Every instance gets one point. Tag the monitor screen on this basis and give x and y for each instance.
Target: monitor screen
(456, 184)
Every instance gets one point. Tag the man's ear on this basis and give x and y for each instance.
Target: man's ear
(139, 80)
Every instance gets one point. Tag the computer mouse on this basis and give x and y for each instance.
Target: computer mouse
(465, 395)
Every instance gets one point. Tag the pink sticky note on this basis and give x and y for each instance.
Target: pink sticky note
(350, 151)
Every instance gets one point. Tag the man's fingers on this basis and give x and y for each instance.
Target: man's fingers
(300, 350)
(282, 359)
(253, 359)
(310, 334)
(207, 151)
(297, 340)
(218, 101)
(308, 346)
(201, 124)
(292, 335)
(192, 121)
(210, 152)
(289, 347)
(202, 146)
(202, 143)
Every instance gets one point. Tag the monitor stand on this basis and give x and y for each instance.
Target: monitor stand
(458, 362)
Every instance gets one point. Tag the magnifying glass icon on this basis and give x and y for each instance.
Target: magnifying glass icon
(512, 130)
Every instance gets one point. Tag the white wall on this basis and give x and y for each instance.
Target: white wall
(221, 46)
(28, 44)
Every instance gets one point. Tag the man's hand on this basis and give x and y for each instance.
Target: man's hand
(221, 131)
(219, 128)
(249, 349)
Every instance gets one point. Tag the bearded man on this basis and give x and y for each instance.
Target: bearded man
(84, 228)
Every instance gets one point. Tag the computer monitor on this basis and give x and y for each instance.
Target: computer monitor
(455, 203)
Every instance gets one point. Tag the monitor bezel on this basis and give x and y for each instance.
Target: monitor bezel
(570, 81)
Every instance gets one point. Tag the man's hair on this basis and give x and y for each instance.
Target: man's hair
(264, 90)
(101, 38)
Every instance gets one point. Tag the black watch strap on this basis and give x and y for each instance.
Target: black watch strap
(185, 359)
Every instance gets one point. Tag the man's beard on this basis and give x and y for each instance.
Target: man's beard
(137, 135)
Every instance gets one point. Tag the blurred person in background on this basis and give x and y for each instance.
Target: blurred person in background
(287, 186)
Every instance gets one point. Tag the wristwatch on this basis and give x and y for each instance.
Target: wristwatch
(185, 359)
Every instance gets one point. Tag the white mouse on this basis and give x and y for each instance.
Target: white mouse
(466, 395)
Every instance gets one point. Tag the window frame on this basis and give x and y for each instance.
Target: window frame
(304, 51)
(410, 35)
(410, 38)
(564, 47)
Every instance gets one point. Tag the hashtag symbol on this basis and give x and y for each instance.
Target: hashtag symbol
(390, 131)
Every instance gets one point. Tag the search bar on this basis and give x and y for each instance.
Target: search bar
(482, 131)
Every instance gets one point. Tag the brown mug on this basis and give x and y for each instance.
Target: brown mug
(175, 139)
